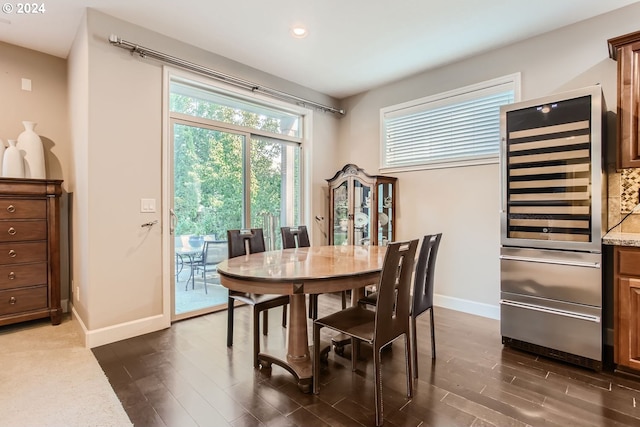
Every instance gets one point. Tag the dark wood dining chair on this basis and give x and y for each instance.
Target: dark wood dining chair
(298, 237)
(295, 237)
(422, 299)
(378, 327)
(239, 243)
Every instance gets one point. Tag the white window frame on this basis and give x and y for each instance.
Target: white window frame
(506, 83)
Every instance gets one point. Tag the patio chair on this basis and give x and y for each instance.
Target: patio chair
(213, 253)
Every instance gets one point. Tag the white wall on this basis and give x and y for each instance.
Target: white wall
(118, 264)
(463, 203)
(77, 179)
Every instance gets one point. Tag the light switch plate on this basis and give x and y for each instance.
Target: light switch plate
(147, 205)
(26, 84)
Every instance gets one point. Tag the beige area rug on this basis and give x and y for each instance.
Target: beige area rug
(47, 378)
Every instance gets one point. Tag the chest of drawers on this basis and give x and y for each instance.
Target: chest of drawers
(29, 250)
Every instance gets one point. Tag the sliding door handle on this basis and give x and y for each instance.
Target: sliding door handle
(173, 222)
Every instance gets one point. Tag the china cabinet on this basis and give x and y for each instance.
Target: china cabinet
(362, 209)
(626, 50)
(29, 250)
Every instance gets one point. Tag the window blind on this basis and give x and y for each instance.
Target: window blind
(447, 130)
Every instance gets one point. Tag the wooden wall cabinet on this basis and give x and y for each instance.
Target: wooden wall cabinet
(29, 250)
(626, 50)
(627, 307)
(362, 208)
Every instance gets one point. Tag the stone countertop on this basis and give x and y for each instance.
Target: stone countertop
(617, 238)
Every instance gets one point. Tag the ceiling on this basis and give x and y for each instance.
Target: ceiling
(352, 45)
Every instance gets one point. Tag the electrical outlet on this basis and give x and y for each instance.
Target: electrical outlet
(77, 292)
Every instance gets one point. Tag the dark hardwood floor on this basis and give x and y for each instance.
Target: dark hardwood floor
(185, 376)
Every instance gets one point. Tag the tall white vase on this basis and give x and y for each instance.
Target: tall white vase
(12, 162)
(2, 147)
(31, 145)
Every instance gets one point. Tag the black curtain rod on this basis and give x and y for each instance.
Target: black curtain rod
(235, 81)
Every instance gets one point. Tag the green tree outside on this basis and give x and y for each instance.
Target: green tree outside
(208, 170)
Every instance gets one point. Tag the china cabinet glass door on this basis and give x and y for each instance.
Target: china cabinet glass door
(341, 212)
(361, 216)
(385, 213)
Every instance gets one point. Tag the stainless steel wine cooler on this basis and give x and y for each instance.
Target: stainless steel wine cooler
(552, 218)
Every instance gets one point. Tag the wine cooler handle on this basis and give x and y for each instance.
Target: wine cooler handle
(551, 261)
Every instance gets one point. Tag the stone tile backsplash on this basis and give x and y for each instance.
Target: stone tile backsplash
(623, 186)
(629, 186)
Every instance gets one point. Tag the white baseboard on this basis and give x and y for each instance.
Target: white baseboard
(110, 334)
(467, 306)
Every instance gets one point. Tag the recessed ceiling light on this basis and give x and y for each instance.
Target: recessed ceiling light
(299, 31)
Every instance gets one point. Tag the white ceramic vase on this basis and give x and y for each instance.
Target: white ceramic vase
(12, 162)
(30, 144)
(2, 147)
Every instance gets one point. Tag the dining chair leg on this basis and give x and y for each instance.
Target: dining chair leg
(256, 335)
(355, 353)
(230, 322)
(344, 299)
(265, 322)
(316, 358)
(377, 369)
(407, 358)
(284, 316)
(414, 347)
(313, 306)
(433, 335)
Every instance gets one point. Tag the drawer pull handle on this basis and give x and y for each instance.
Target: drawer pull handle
(12, 300)
(11, 231)
(12, 275)
(11, 208)
(12, 253)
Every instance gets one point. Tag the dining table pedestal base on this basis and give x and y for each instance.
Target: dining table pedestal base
(296, 359)
(302, 370)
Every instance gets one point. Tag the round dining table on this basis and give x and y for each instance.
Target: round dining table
(297, 272)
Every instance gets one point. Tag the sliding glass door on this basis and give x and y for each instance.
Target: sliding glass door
(235, 164)
(208, 199)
